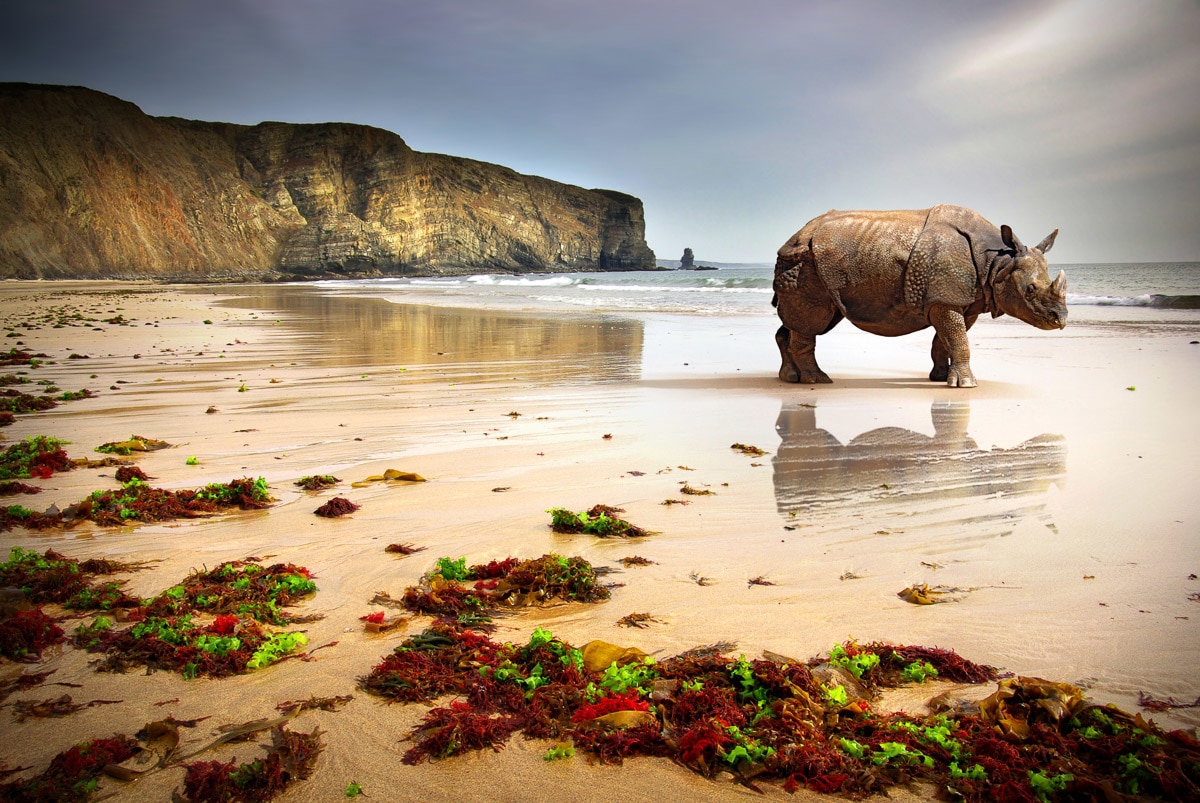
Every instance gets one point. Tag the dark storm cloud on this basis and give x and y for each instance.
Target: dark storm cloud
(734, 122)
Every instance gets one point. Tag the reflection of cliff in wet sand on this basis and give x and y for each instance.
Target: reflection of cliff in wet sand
(895, 477)
(479, 344)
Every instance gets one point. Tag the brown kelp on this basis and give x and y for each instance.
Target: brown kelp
(807, 724)
(135, 443)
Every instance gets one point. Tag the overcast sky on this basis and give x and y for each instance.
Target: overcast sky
(735, 122)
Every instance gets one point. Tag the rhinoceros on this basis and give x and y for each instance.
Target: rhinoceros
(895, 272)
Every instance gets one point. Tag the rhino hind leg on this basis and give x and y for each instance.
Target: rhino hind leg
(799, 362)
(806, 310)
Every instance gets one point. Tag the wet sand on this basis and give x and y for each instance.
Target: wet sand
(1055, 497)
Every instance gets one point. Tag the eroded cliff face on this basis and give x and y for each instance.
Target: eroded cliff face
(91, 187)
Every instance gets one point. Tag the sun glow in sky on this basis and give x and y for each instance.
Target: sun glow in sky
(734, 122)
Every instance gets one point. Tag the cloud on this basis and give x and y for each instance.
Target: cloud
(734, 122)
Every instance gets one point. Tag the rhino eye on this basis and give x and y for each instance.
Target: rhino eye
(1030, 289)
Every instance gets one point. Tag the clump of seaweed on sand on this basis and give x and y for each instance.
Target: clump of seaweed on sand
(36, 456)
(25, 633)
(215, 622)
(136, 501)
(335, 507)
(317, 482)
(292, 756)
(473, 594)
(135, 443)
(801, 724)
(74, 774)
(171, 631)
(54, 577)
(600, 520)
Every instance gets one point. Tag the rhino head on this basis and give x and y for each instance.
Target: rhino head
(1021, 285)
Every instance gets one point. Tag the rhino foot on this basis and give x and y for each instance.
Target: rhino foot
(803, 376)
(940, 373)
(814, 377)
(959, 376)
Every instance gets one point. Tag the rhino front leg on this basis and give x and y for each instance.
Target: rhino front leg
(951, 329)
(941, 357)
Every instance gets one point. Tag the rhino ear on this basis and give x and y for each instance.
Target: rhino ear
(1045, 244)
(1010, 239)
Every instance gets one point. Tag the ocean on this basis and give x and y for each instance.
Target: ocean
(1160, 289)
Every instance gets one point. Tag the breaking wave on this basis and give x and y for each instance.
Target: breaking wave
(1155, 300)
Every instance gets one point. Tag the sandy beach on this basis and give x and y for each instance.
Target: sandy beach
(1056, 499)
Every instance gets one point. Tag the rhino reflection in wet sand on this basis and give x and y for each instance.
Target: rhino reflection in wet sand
(893, 273)
(901, 478)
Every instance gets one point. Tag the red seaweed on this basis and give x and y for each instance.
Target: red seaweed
(773, 720)
(291, 757)
(12, 488)
(337, 506)
(73, 774)
(449, 731)
(25, 634)
(126, 473)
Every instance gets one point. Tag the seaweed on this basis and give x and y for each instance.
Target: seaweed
(73, 775)
(135, 443)
(291, 757)
(25, 634)
(748, 450)
(502, 584)
(12, 487)
(1152, 703)
(61, 706)
(138, 502)
(777, 719)
(446, 732)
(317, 482)
(53, 577)
(403, 549)
(12, 402)
(337, 506)
(600, 520)
(242, 596)
(36, 456)
(126, 473)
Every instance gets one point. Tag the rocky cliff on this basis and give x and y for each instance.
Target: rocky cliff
(91, 187)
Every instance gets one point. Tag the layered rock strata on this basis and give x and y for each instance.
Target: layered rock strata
(91, 187)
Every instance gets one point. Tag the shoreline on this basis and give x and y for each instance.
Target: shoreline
(1056, 468)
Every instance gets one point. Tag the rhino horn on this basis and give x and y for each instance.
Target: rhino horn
(1059, 287)
(1045, 244)
(1010, 239)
